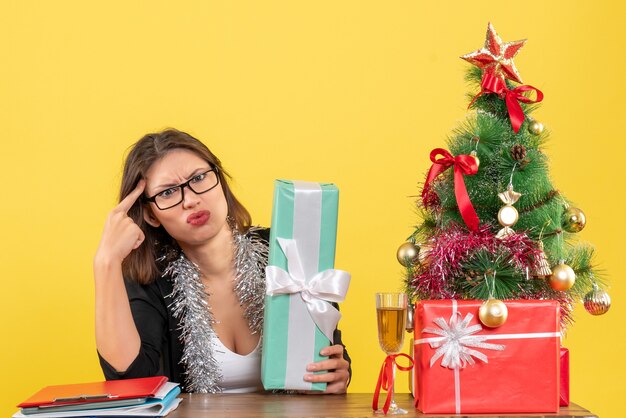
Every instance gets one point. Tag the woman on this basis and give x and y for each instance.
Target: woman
(179, 276)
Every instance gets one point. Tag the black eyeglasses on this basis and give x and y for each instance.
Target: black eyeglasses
(200, 183)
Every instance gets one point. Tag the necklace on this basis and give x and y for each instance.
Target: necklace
(190, 307)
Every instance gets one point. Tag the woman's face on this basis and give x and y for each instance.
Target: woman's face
(199, 217)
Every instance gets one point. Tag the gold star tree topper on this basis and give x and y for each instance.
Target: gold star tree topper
(496, 56)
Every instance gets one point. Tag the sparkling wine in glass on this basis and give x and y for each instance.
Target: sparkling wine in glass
(391, 314)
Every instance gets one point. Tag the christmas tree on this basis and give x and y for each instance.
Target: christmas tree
(494, 227)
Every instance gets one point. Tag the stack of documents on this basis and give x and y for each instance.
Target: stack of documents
(145, 397)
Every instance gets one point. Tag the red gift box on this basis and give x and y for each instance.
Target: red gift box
(564, 401)
(462, 366)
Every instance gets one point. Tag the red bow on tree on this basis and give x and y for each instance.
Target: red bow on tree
(463, 165)
(385, 379)
(494, 84)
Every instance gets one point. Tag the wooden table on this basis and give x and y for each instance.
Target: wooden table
(278, 405)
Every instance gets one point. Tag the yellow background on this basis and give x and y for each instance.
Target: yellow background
(353, 92)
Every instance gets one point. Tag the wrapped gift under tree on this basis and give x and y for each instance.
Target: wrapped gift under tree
(462, 366)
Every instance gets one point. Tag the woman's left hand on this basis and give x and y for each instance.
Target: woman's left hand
(336, 367)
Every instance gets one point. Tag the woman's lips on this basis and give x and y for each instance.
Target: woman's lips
(199, 218)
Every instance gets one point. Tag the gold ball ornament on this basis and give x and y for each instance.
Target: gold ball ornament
(597, 302)
(508, 215)
(474, 155)
(535, 128)
(573, 220)
(424, 257)
(562, 278)
(493, 313)
(408, 254)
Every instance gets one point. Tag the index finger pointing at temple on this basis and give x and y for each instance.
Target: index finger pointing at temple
(132, 197)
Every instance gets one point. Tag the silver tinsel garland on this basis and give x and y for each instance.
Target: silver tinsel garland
(251, 255)
(190, 307)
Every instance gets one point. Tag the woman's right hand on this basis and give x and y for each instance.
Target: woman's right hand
(121, 234)
(117, 339)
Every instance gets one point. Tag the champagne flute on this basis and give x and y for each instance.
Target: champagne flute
(391, 314)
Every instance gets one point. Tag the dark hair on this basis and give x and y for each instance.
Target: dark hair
(141, 264)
